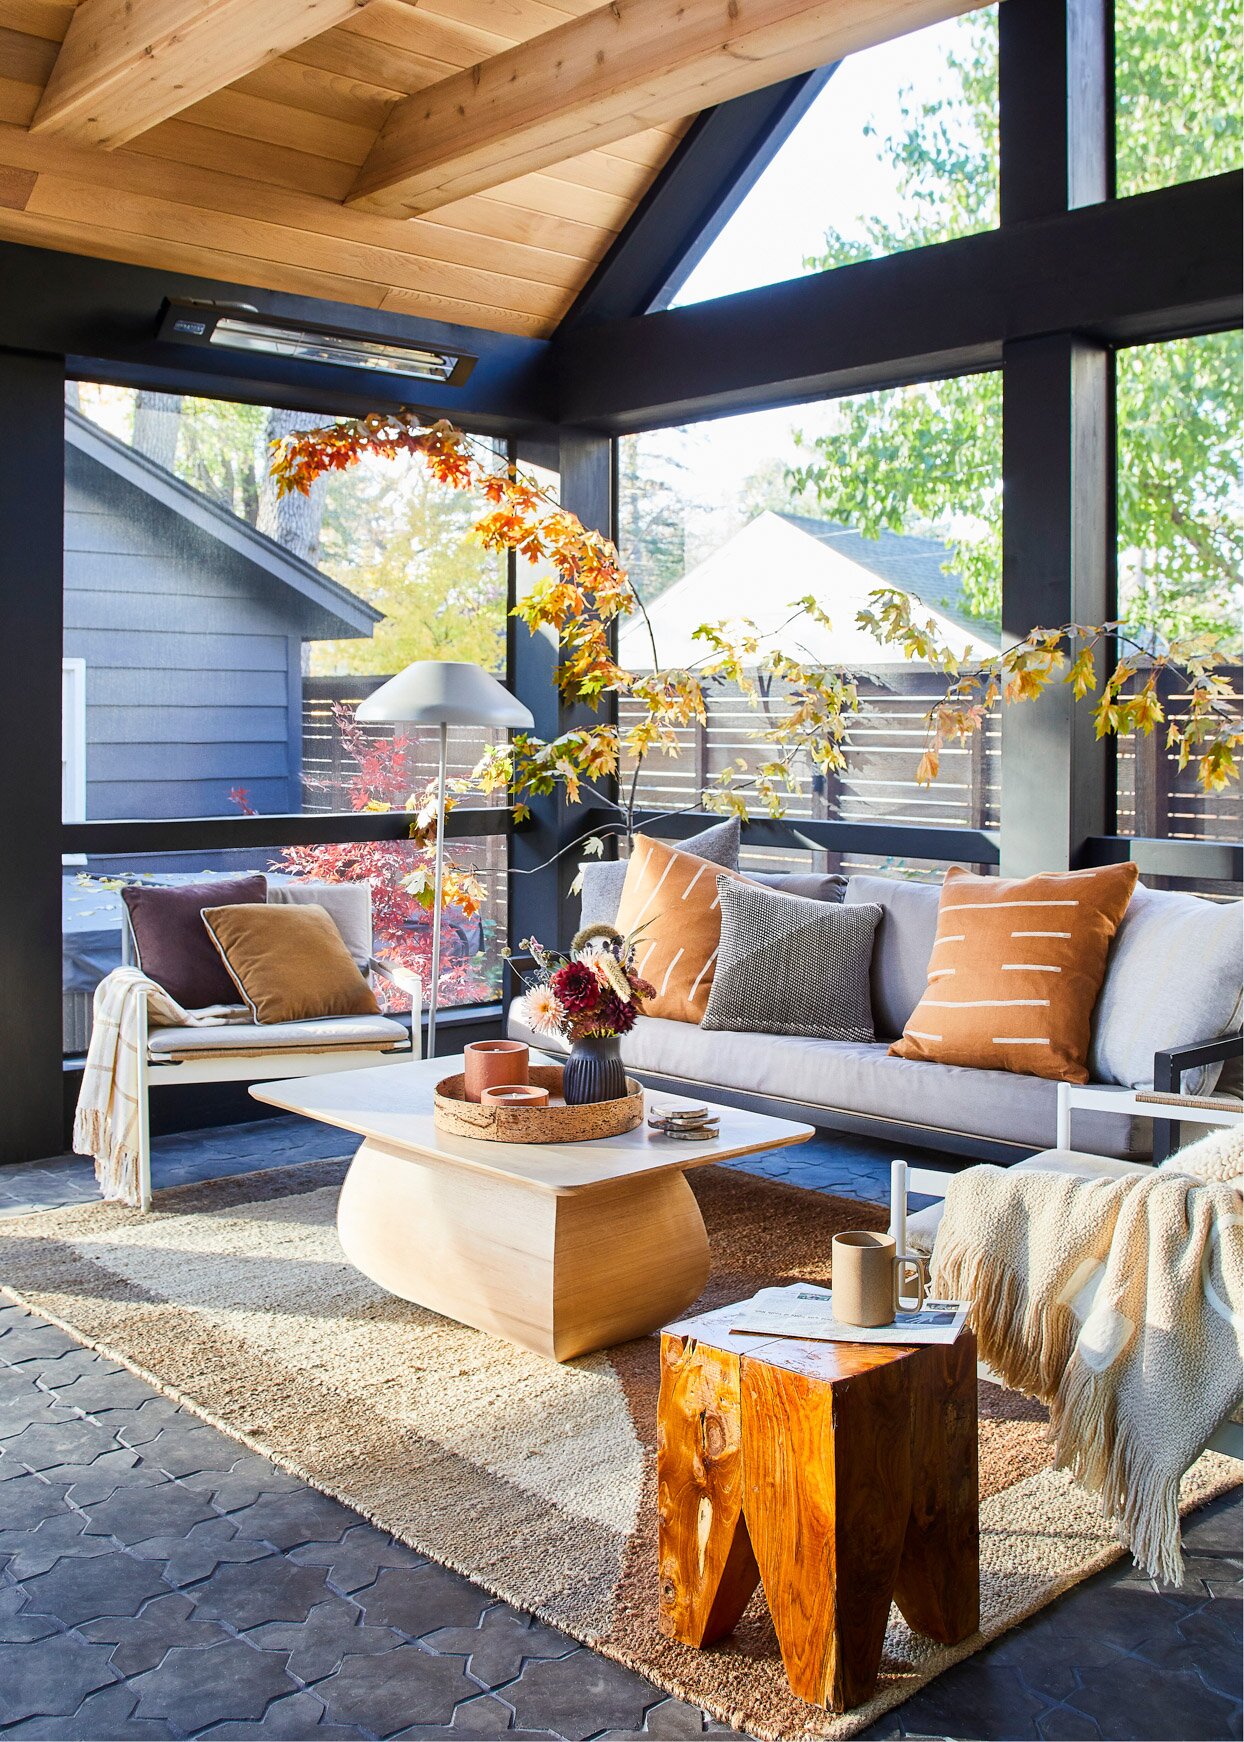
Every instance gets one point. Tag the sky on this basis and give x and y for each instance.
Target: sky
(830, 171)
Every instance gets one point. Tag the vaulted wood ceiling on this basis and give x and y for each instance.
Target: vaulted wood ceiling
(287, 143)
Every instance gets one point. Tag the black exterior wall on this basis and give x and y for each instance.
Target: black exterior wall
(1070, 273)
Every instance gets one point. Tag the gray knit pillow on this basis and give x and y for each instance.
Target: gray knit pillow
(787, 965)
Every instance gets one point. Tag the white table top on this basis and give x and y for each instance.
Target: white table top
(392, 1104)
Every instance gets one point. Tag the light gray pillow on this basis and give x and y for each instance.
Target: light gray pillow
(348, 905)
(787, 965)
(812, 885)
(601, 880)
(1175, 974)
(900, 971)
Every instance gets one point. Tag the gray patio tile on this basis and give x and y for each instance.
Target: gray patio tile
(18, 1623)
(390, 1692)
(194, 1687)
(331, 1632)
(290, 1520)
(1136, 1702)
(356, 1560)
(136, 1514)
(580, 1695)
(140, 1642)
(298, 1717)
(486, 1718)
(45, 1444)
(669, 1720)
(97, 1392)
(422, 1600)
(77, 1590)
(106, 1716)
(186, 1559)
(91, 1483)
(28, 1499)
(1064, 1724)
(495, 1651)
(975, 1699)
(50, 1677)
(37, 1551)
(270, 1589)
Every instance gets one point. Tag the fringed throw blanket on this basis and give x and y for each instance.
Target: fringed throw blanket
(1118, 1303)
(107, 1122)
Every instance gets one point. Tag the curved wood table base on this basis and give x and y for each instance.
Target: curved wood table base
(561, 1273)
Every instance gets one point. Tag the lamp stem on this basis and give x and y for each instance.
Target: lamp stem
(434, 988)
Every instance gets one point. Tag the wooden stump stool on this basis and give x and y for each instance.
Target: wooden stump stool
(841, 1476)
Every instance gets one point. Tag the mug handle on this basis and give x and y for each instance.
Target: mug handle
(905, 1261)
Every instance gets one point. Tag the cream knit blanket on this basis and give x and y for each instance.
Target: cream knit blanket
(1119, 1303)
(106, 1123)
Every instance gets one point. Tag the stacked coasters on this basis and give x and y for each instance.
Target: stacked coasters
(688, 1124)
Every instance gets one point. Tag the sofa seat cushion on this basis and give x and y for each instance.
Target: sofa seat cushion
(309, 1036)
(865, 1079)
(923, 1225)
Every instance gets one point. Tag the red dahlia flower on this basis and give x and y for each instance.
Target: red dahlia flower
(577, 988)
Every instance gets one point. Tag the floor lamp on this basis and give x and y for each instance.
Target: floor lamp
(442, 693)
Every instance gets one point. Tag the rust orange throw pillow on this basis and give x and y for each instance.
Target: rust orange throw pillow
(1015, 971)
(671, 897)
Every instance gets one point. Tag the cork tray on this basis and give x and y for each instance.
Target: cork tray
(554, 1123)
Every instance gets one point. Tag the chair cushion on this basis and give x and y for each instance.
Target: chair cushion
(903, 946)
(348, 905)
(670, 899)
(238, 1037)
(787, 965)
(289, 963)
(859, 1078)
(1017, 965)
(601, 881)
(922, 1226)
(1175, 975)
(172, 943)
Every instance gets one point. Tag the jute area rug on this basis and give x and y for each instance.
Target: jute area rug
(533, 1479)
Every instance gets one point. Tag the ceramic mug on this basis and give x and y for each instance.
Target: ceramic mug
(866, 1275)
(487, 1064)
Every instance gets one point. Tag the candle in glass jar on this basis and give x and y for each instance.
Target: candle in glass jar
(515, 1095)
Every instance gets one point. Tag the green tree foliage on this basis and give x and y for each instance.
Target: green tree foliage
(403, 542)
(929, 458)
(652, 514)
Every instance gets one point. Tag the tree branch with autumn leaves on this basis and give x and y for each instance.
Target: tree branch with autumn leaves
(586, 589)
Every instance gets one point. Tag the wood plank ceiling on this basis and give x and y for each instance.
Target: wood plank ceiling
(189, 148)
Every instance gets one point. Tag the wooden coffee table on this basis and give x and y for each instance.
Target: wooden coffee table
(563, 1248)
(841, 1476)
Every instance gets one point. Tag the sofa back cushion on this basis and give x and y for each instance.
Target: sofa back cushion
(601, 880)
(171, 943)
(1018, 963)
(904, 945)
(670, 899)
(1174, 976)
(809, 885)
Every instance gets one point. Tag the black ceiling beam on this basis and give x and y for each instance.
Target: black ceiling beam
(102, 316)
(1155, 266)
(714, 166)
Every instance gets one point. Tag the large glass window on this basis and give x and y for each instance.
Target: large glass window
(898, 151)
(1179, 78)
(737, 519)
(1181, 557)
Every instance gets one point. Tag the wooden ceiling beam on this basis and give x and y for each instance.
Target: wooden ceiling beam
(606, 74)
(123, 68)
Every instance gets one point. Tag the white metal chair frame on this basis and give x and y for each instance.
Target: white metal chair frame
(256, 1066)
(1228, 1437)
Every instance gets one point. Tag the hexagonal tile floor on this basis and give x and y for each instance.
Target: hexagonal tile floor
(159, 1581)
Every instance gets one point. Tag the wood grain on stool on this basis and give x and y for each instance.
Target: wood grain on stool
(842, 1476)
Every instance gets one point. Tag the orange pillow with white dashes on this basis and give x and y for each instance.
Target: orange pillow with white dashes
(1015, 971)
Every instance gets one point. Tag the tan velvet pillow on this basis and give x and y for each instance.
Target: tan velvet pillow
(672, 898)
(289, 963)
(1015, 971)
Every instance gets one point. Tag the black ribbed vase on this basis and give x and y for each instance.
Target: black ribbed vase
(594, 1071)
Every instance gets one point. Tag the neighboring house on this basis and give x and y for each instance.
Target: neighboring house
(778, 558)
(183, 643)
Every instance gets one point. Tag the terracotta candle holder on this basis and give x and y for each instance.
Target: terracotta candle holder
(515, 1095)
(490, 1064)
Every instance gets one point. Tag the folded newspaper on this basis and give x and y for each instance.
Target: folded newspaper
(804, 1310)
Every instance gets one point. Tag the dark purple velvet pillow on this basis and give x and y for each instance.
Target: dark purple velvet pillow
(174, 946)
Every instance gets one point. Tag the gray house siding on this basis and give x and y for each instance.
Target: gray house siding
(191, 627)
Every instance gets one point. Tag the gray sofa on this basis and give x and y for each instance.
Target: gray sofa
(1173, 985)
